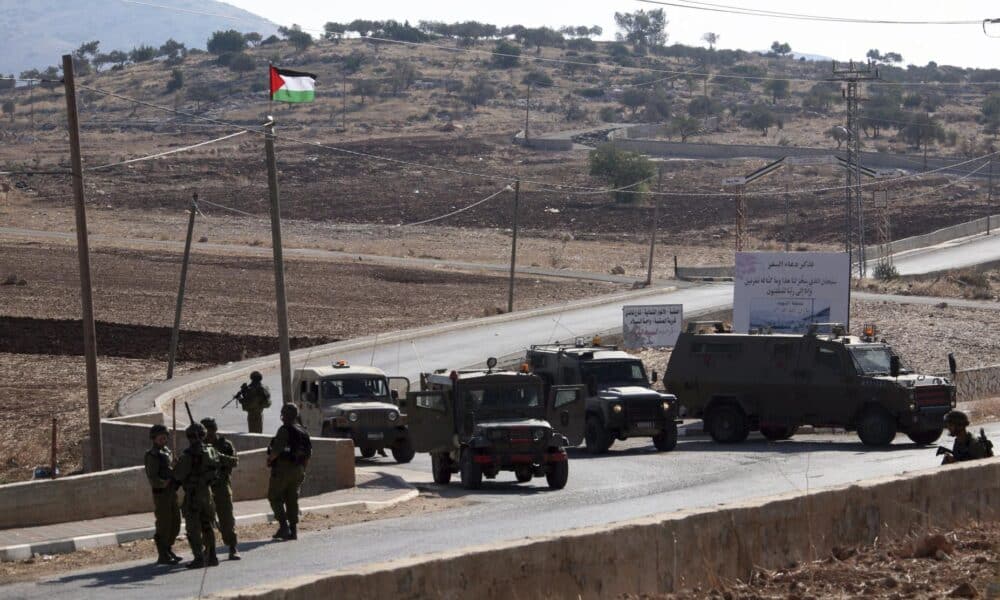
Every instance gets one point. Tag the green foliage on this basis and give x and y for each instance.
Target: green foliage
(176, 81)
(781, 49)
(621, 169)
(658, 106)
(820, 97)
(591, 93)
(633, 98)
(778, 88)
(479, 90)
(402, 75)
(642, 29)
(704, 106)
(572, 109)
(922, 129)
(608, 114)
(141, 54)
(882, 111)
(684, 127)
(886, 272)
(298, 38)
(759, 117)
(506, 55)
(9, 107)
(202, 93)
(253, 38)
(991, 112)
(353, 62)
(537, 78)
(366, 88)
(223, 42)
(620, 54)
(241, 62)
(539, 37)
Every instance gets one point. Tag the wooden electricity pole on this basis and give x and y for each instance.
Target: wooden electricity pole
(83, 253)
(176, 331)
(652, 229)
(279, 265)
(513, 248)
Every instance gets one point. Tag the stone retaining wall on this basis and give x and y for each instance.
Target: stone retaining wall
(666, 553)
(978, 384)
(939, 236)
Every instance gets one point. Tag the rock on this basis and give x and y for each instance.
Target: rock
(10, 280)
(966, 590)
(890, 582)
(930, 545)
(618, 270)
(941, 305)
(843, 553)
(941, 556)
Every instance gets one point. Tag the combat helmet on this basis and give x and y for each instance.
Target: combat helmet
(158, 429)
(210, 424)
(289, 411)
(956, 418)
(195, 431)
(256, 376)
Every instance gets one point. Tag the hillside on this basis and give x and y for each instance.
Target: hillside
(40, 31)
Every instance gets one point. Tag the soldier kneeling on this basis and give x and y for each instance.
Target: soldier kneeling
(966, 446)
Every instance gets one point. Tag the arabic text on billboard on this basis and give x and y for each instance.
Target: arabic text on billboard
(785, 292)
(652, 326)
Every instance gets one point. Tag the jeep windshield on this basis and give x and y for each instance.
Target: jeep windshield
(614, 373)
(872, 360)
(352, 389)
(503, 400)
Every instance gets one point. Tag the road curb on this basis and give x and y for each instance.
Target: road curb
(87, 542)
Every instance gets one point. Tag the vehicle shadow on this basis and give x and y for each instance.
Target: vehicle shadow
(454, 490)
(756, 445)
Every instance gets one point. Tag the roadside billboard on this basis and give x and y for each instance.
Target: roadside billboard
(785, 292)
(652, 326)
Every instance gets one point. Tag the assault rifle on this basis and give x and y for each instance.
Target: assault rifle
(238, 397)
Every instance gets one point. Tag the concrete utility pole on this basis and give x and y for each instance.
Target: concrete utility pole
(83, 253)
(527, 113)
(989, 195)
(652, 229)
(279, 265)
(344, 114)
(175, 333)
(513, 248)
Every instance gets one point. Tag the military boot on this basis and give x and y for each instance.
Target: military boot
(282, 533)
(213, 560)
(293, 531)
(163, 557)
(234, 554)
(197, 563)
(173, 557)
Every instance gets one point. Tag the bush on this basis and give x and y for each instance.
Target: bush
(142, 54)
(608, 114)
(591, 93)
(507, 55)
(230, 40)
(241, 62)
(537, 78)
(886, 272)
(176, 81)
(621, 169)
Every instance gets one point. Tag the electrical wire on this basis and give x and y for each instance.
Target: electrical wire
(738, 10)
(229, 208)
(950, 183)
(461, 210)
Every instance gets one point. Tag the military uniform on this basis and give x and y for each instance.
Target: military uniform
(968, 448)
(256, 398)
(165, 507)
(287, 457)
(197, 470)
(222, 489)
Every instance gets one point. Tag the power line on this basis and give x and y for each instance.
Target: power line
(506, 188)
(753, 12)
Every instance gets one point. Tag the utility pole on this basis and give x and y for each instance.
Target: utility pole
(652, 229)
(513, 248)
(852, 190)
(527, 113)
(788, 222)
(279, 265)
(176, 331)
(344, 112)
(83, 253)
(741, 217)
(989, 194)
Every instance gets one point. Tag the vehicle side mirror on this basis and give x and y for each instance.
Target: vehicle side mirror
(894, 366)
(952, 365)
(656, 376)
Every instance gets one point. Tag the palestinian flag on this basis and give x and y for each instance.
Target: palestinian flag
(292, 86)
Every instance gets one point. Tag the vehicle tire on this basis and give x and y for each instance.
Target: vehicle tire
(472, 474)
(558, 475)
(876, 427)
(666, 440)
(403, 452)
(367, 452)
(925, 438)
(523, 475)
(776, 433)
(441, 468)
(598, 440)
(727, 424)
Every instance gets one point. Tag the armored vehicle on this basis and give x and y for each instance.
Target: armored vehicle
(775, 383)
(620, 400)
(478, 423)
(359, 403)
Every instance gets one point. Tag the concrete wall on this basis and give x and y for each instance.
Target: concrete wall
(689, 273)
(939, 236)
(667, 553)
(551, 144)
(978, 384)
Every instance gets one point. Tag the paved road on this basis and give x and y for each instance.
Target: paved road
(633, 481)
(965, 252)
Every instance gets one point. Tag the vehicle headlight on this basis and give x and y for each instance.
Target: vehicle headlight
(539, 435)
(616, 408)
(393, 415)
(666, 407)
(913, 407)
(352, 417)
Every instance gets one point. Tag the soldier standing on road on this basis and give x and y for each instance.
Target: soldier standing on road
(222, 489)
(287, 455)
(254, 398)
(966, 446)
(197, 470)
(161, 478)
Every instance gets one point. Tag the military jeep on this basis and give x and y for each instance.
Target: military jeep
(775, 383)
(481, 422)
(620, 400)
(357, 403)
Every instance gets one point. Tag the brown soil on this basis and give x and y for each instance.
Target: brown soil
(963, 563)
(971, 284)
(45, 566)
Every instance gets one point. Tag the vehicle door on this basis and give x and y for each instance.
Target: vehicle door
(310, 413)
(430, 419)
(779, 405)
(399, 387)
(822, 384)
(566, 411)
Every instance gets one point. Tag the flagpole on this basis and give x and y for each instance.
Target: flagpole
(270, 95)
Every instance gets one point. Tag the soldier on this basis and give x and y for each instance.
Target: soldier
(222, 489)
(196, 471)
(254, 398)
(966, 446)
(287, 455)
(161, 478)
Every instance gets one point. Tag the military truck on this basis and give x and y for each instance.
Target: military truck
(357, 403)
(775, 383)
(478, 423)
(620, 400)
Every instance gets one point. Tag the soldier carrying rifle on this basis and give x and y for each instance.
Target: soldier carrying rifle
(966, 446)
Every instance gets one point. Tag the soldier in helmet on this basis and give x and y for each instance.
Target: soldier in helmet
(966, 446)
(222, 489)
(197, 470)
(158, 461)
(287, 455)
(254, 398)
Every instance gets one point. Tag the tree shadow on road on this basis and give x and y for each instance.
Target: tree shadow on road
(796, 446)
